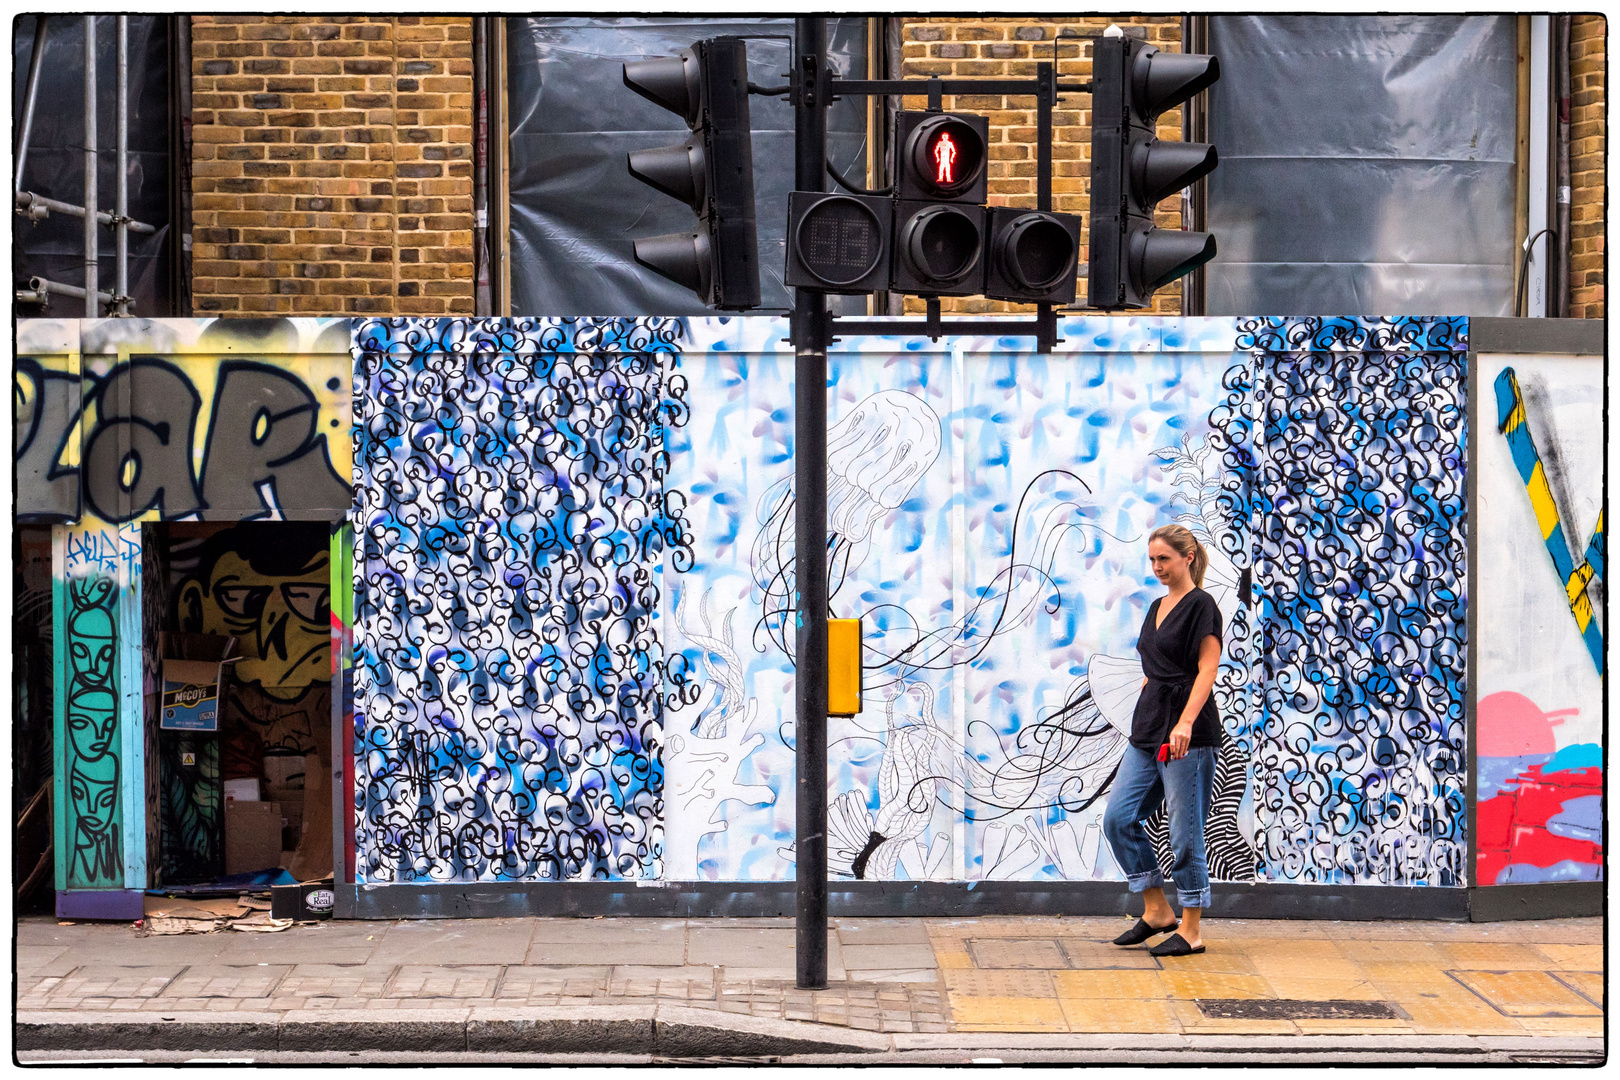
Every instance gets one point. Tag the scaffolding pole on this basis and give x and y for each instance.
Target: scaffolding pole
(31, 98)
(92, 227)
(36, 207)
(120, 303)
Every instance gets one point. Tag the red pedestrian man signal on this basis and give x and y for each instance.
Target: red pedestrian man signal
(945, 159)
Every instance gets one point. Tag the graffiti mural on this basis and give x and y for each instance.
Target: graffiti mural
(128, 420)
(984, 508)
(268, 586)
(88, 669)
(1538, 774)
(987, 509)
(509, 538)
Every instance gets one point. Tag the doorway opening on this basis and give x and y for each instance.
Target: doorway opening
(238, 791)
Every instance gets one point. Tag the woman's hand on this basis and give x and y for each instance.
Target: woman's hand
(1180, 736)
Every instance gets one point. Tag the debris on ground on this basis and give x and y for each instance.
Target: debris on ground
(171, 915)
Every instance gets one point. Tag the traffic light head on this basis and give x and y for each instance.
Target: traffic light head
(838, 243)
(1032, 256)
(941, 156)
(939, 248)
(712, 172)
(1132, 171)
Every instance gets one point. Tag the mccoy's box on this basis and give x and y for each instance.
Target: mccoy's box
(193, 667)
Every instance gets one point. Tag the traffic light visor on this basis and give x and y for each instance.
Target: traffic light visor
(677, 171)
(672, 82)
(1164, 80)
(1163, 255)
(681, 257)
(1164, 168)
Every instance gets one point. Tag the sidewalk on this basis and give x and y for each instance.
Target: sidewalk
(725, 986)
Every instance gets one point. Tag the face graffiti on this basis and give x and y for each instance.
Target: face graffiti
(268, 587)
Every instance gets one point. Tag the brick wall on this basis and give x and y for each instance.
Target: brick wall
(1010, 48)
(1587, 120)
(332, 165)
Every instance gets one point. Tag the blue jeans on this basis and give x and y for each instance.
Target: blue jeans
(1186, 787)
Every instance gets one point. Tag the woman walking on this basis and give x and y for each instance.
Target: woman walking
(1175, 734)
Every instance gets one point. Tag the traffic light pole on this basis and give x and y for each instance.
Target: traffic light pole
(811, 335)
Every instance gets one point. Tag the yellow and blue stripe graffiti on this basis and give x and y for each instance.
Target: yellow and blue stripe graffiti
(1510, 420)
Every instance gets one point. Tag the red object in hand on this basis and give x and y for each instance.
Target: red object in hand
(1164, 752)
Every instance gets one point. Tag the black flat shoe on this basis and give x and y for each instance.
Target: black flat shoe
(1174, 945)
(1142, 931)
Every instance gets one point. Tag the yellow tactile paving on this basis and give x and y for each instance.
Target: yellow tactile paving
(1297, 948)
(1002, 984)
(1441, 978)
(1393, 952)
(1200, 984)
(1040, 954)
(1121, 1015)
(1302, 967)
(1589, 983)
(1109, 984)
(1492, 956)
(1219, 957)
(1572, 957)
(1527, 993)
(1562, 1025)
(1294, 988)
(1007, 1014)
(1089, 955)
(1384, 976)
(1459, 1018)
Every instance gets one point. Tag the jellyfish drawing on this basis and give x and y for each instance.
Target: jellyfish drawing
(876, 455)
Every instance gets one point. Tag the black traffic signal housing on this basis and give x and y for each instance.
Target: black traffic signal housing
(839, 243)
(941, 179)
(1031, 256)
(1133, 83)
(934, 236)
(712, 172)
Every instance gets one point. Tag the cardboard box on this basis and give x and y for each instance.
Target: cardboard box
(284, 771)
(252, 836)
(243, 790)
(306, 900)
(193, 666)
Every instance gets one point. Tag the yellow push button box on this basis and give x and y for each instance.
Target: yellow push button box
(843, 667)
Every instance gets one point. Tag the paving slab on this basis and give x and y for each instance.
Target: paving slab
(641, 946)
(39, 960)
(906, 955)
(880, 931)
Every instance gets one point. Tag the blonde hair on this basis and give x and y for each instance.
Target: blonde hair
(1181, 539)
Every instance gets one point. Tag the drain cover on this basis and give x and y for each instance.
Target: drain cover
(1262, 1009)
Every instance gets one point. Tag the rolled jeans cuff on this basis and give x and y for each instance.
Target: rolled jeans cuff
(1198, 898)
(1150, 879)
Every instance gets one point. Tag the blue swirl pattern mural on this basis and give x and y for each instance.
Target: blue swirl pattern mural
(1358, 506)
(510, 534)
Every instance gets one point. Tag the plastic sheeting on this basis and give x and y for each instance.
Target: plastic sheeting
(575, 207)
(1367, 164)
(54, 248)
